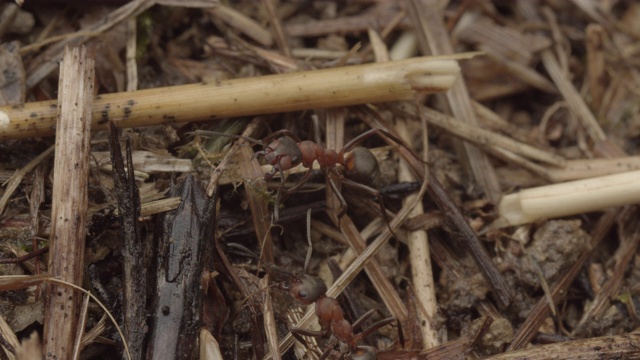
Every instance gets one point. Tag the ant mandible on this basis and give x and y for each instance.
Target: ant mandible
(360, 166)
(308, 289)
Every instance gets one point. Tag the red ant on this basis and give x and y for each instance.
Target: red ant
(360, 166)
(309, 289)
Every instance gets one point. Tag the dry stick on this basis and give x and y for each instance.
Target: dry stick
(391, 81)
(605, 347)
(541, 310)
(433, 39)
(69, 201)
(420, 259)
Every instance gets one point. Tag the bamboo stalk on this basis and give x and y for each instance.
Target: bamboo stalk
(369, 83)
(69, 202)
(569, 198)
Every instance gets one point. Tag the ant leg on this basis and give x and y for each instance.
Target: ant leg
(367, 189)
(363, 318)
(297, 185)
(306, 332)
(368, 331)
(388, 136)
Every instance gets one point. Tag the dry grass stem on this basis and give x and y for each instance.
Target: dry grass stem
(10, 337)
(570, 198)
(605, 347)
(147, 162)
(360, 84)
(243, 24)
(269, 321)
(82, 322)
(419, 255)
(18, 175)
(590, 168)
(434, 40)
(69, 201)
(486, 138)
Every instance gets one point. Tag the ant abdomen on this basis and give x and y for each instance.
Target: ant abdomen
(361, 166)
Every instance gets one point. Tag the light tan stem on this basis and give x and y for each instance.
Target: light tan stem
(351, 85)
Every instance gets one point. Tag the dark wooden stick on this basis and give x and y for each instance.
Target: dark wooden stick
(133, 268)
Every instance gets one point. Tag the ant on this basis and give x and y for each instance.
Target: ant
(308, 289)
(361, 169)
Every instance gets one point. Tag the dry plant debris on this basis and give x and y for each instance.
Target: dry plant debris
(507, 145)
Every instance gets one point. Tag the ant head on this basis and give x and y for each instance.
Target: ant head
(307, 289)
(283, 153)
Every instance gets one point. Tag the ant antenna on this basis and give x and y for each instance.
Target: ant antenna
(310, 250)
(214, 133)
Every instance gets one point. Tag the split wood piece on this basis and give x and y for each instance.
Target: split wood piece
(419, 252)
(69, 201)
(360, 84)
(541, 311)
(434, 40)
(570, 198)
(184, 254)
(604, 347)
(133, 267)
